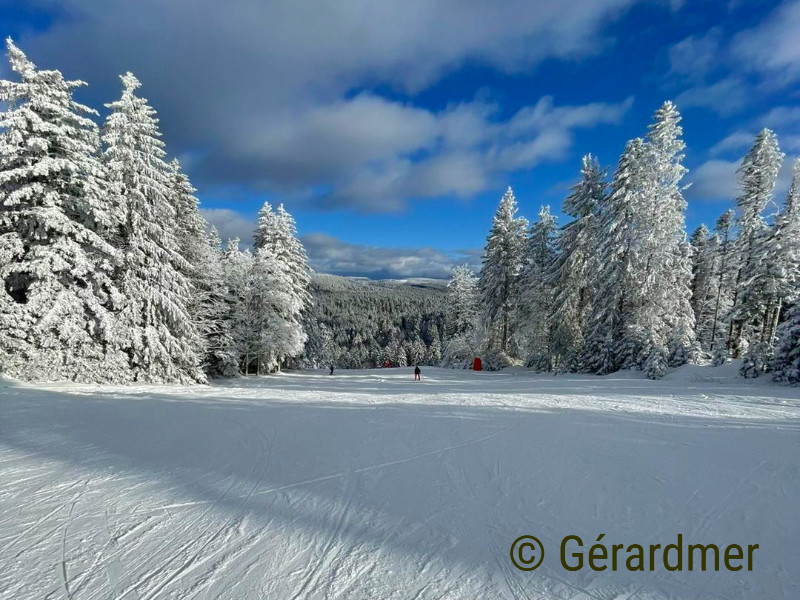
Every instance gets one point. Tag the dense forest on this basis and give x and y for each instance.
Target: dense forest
(357, 323)
(111, 274)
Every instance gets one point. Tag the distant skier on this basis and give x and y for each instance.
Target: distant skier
(331, 369)
(417, 374)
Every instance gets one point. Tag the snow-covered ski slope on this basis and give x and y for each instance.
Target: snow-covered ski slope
(368, 485)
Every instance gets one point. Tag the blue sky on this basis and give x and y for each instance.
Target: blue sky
(391, 129)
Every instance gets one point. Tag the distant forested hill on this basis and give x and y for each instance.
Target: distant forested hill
(357, 323)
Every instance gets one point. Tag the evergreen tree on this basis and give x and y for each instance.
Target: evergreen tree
(786, 364)
(724, 283)
(753, 297)
(58, 298)
(503, 259)
(661, 313)
(203, 262)
(159, 336)
(614, 282)
(462, 299)
(276, 317)
(572, 271)
(535, 298)
(704, 253)
(277, 231)
(236, 267)
(221, 359)
(280, 260)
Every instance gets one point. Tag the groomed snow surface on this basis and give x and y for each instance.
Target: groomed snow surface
(366, 484)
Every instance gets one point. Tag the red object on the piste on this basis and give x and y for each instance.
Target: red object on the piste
(477, 365)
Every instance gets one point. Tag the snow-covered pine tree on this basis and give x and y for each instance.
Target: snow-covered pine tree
(433, 354)
(279, 255)
(613, 280)
(276, 312)
(462, 318)
(662, 313)
(781, 257)
(774, 279)
(236, 267)
(758, 174)
(462, 299)
(789, 224)
(221, 358)
(704, 286)
(786, 363)
(533, 316)
(203, 262)
(573, 269)
(503, 259)
(723, 231)
(58, 298)
(277, 231)
(160, 338)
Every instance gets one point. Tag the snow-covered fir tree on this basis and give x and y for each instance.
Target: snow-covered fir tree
(202, 252)
(533, 316)
(276, 230)
(704, 286)
(573, 269)
(281, 271)
(753, 298)
(462, 318)
(661, 320)
(613, 281)
(503, 259)
(159, 336)
(58, 300)
(786, 362)
(723, 279)
(276, 312)
(236, 268)
(462, 299)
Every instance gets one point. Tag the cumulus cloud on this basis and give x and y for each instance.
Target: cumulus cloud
(464, 162)
(262, 93)
(330, 255)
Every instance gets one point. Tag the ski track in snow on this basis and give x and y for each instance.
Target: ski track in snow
(369, 485)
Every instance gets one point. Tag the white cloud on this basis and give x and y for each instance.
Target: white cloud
(714, 180)
(264, 89)
(726, 96)
(717, 180)
(696, 56)
(772, 48)
(331, 255)
(463, 165)
(734, 142)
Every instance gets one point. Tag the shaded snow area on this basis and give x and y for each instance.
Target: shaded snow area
(368, 485)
